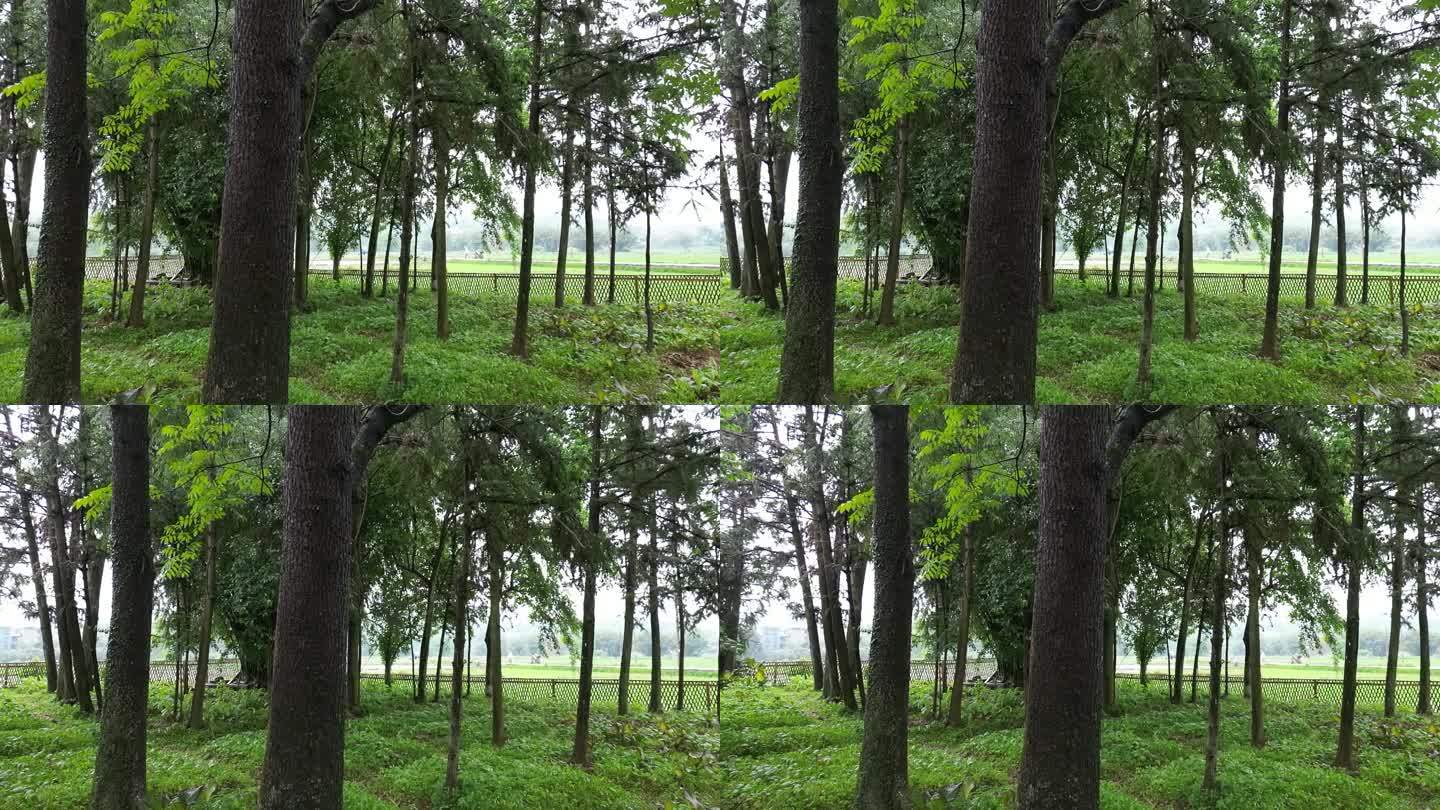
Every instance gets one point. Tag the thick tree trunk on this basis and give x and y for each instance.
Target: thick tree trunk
(520, 338)
(897, 223)
(119, 782)
(52, 362)
(1060, 763)
(1279, 158)
(883, 779)
(807, 360)
(250, 335)
(305, 748)
(995, 354)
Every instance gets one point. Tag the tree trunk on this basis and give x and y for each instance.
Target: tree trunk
(1364, 238)
(567, 188)
(962, 643)
(1422, 605)
(438, 260)
(520, 338)
(828, 571)
(884, 779)
(632, 531)
(304, 202)
(24, 169)
(807, 359)
(1398, 550)
(1217, 621)
(119, 781)
(408, 250)
(580, 754)
(588, 298)
(995, 354)
(649, 311)
(37, 578)
(202, 661)
(897, 223)
(1341, 299)
(1253, 583)
(52, 362)
(1317, 191)
(1279, 158)
(249, 358)
(461, 586)
(1152, 234)
(367, 286)
(727, 213)
(1060, 763)
(653, 563)
(1117, 255)
(305, 748)
(1049, 199)
(494, 677)
(1187, 231)
(807, 599)
(1404, 309)
(1345, 748)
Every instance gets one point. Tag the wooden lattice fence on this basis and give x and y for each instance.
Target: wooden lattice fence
(666, 288)
(697, 694)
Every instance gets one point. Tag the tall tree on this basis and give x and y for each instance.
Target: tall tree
(120, 754)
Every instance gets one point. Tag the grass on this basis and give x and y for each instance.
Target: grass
(729, 351)
(395, 755)
(784, 748)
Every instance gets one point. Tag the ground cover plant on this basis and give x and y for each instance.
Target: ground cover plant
(394, 754)
(785, 747)
(729, 350)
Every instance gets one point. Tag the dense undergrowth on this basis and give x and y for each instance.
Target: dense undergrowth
(394, 755)
(729, 351)
(786, 748)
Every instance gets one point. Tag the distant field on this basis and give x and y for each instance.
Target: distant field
(625, 263)
(1381, 264)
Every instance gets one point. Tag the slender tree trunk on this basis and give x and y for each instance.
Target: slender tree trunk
(1279, 157)
(305, 748)
(37, 578)
(1048, 202)
(520, 339)
(807, 599)
(119, 781)
(649, 311)
(580, 754)
(567, 195)
(1152, 233)
(727, 213)
(1217, 621)
(461, 586)
(1060, 763)
(1187, 231)
(632, 531)
(1422, 604)
(438, 260)
(807, 359)
(1317, 191)
(1113, 290)
(1364, 238)
(202, 660)
(494, 677)
(614, 221)
(1341, 298)
(884, 773)
(588, 299)
(147, 225)
(367, 287)
(1398, 550)
(408, 238)
(653, 564)
(962, 643)
(1404, 308)
(1252, 633)
(52, 364)
(897, 223)
(1345, 748)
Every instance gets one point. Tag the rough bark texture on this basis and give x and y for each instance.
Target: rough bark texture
(807, 360)
(120, 755)
(1060, 763)
(995, 356)
(52, 362)
(305, 748)
(249, 358)
(883, 779)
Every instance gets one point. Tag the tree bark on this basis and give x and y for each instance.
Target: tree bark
(367, 287)
(807, 359)
(1253, 575)
(962, 642)
(1187, 230)
(304, 752)
(52, 362)
(580, 754)
(520, 338)
(1341, 299)
(461, 586)
(897, 223)
(567, 187)
(727, 213)
(883, 779)
(202, 661)
(1152, 232)
(1400, 415)
(408, 249)
(653, 564)
(1060, 763)
(441, 147)
(1217, 604)
(494, 678)
(1345, 747)
(1279, 157)
(119, 781)
(1422, 604)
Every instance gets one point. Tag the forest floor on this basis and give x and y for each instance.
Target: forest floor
(395, 755)
(786, 748)
(729, 351)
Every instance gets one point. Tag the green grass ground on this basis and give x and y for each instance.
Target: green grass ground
(729, 351)
(782, 747)
(395, 755)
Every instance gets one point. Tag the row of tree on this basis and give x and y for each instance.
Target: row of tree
(1138, 526)
(294, 538)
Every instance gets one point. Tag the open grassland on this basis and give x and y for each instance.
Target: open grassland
(395, 755)
(729, 350)
(784, 748)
